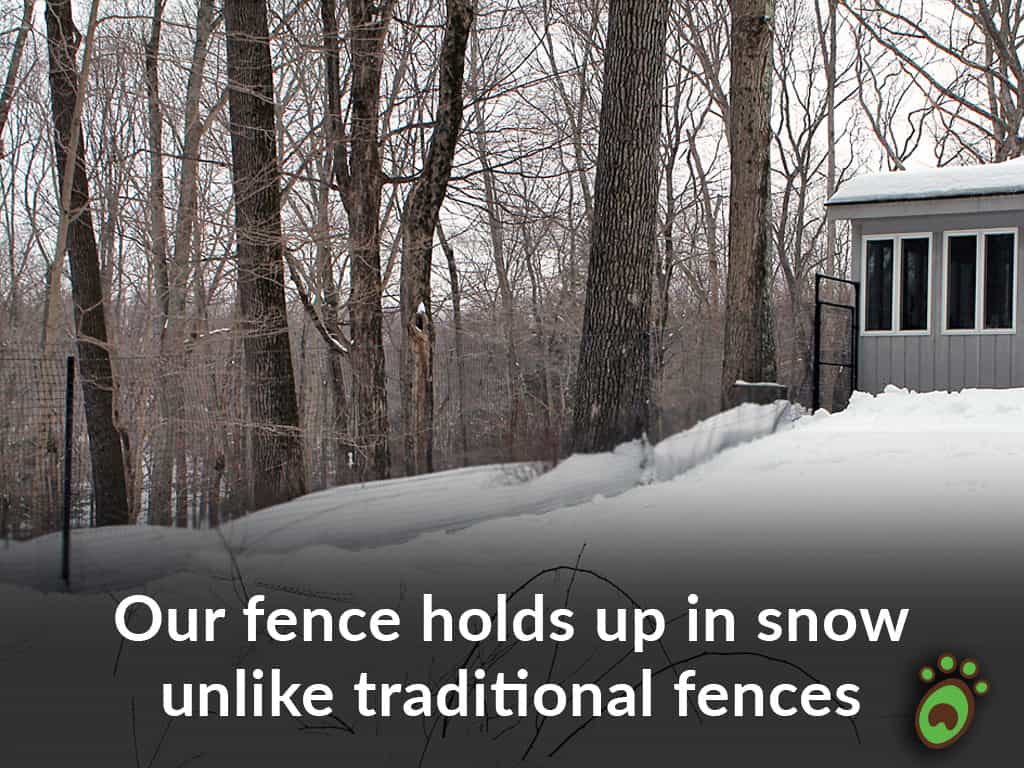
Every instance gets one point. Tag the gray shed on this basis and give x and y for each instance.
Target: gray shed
(937, 257)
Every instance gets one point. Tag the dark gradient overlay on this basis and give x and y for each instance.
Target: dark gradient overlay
(73, 694)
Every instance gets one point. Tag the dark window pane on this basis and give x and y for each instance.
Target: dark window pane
(999, 266)
(962, 288)
(914, 287)
(879, 285)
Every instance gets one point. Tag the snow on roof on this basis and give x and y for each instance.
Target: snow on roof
(1005, 178)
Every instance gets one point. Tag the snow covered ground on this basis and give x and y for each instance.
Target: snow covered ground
(383, 513)
(896, 465)
(902, 500)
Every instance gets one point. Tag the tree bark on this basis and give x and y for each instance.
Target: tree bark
(107, 459)
(11, 81)
(419, 222)
(613, 380)
(359, 176)
(830, 132)
(278, 471)
(164, 452)
(749, 339)
(460, 352)
(330, 316)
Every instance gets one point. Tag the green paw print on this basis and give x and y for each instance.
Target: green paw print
(947, 708)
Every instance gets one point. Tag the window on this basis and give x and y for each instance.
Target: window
(981, 281)
(879, 285)
(999, 262)
(963, 265)
(914, 285)
(896, 280)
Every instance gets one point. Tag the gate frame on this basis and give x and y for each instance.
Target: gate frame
(854, 310)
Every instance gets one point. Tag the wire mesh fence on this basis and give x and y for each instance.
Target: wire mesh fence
(191, 426)
(837, 378)
(32, 393)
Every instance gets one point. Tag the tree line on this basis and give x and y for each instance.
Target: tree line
(359, 237)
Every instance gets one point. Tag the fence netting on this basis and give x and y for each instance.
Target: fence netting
(836, 348)
(189, 433)
(31, 445)
(188, 430)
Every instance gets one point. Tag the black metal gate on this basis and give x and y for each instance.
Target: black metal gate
(836, 331)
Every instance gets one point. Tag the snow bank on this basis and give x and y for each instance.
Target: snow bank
(381, 514)
(349, 518)
(677, 454)
(901, 410)
(837, 471)
(961, 181)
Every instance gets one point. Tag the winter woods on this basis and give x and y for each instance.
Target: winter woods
(301, 243)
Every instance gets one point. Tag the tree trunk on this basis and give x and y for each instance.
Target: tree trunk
(613, 380)
(830, 134)
(552, 433)
(108, 472)
(344, 450)
(11, 81)
(163, 439)
(419, 222)
(277, 468)
(360, 178)
(749, 343)
(460, 352)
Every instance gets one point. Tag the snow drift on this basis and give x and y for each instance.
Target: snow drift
(384, 513)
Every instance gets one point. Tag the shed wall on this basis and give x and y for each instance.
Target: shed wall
(941, 361)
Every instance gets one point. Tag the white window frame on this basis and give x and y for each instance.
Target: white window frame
(897, 283)
(979, 287)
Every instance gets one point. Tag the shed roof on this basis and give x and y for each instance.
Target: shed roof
(1005, 178)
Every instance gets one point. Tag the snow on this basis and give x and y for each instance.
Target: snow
(957, 181)
(686, 450)
(902, 495)
(384, 513)
(705, 483)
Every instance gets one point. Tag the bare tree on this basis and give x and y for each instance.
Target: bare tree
(360, 177)
(508, 344)
(749, 336)
(496, 232)
(964, 57)
(828, 40)
(270, 383)
(613, 381)
(98, 386)
(419, 223)
(13, 69)
(460, 344)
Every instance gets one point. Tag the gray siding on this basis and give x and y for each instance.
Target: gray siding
(939, 361)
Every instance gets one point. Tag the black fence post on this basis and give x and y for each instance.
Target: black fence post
(855, 340)
(69, 428)
(816, 397)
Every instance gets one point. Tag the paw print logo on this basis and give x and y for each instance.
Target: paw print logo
(946, 710)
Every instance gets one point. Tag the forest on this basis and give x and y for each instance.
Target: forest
(295, 244)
